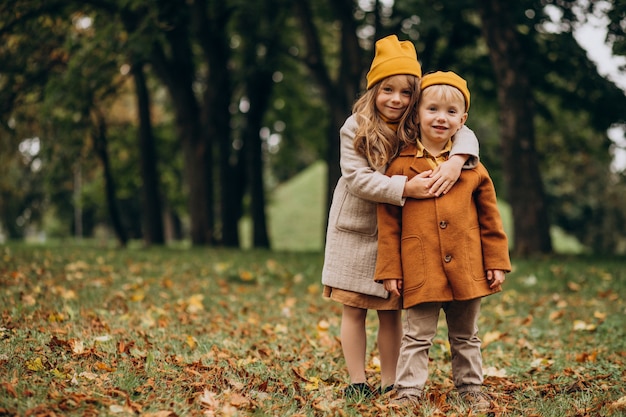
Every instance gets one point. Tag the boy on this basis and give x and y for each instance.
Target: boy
(442, 253)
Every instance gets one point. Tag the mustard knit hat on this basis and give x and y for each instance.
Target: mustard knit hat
(393, 57)
(447, 78)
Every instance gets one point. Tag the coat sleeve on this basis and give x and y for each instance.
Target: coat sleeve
(493, 238)
(362, 180)
(465, 142)
(388, 260)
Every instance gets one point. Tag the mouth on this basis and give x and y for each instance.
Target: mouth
(442, 128)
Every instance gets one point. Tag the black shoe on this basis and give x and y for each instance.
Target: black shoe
(358, 391)
(383, 391)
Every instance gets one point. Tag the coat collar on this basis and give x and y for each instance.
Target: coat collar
(417, 164)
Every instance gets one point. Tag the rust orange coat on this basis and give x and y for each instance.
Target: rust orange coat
(441, 247)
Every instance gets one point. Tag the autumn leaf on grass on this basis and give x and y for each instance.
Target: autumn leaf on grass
(77, 346)
(580, 325)
(540, 363)
(619, 404)
(191, 342)
(246, 275)
(313, 384)
(587, 357)
(491, 337)
(208, 399)
(493, 371)
(555, 315)
(194, 304)
(35, 365)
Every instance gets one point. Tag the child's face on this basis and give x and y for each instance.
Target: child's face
(441, 115)
(393, 97)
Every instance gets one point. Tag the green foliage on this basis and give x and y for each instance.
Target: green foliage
(54, 72)
(94, 330)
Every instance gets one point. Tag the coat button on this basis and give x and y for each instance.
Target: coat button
(443, 224)
(447, 258)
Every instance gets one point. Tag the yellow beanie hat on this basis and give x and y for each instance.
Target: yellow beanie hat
(447, 78)
(393, 57)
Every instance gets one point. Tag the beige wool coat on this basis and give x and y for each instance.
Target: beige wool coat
(352, 234)
(441, 247)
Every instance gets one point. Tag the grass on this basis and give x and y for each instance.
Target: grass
(88, 330)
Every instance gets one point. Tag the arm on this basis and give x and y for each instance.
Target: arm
(464, 154)
(362, 180)
(465, 142)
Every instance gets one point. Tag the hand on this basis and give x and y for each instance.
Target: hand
(446, 175)
(417, 187)
(495, 277)
(393, 286)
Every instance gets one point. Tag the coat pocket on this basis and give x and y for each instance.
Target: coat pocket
(413, 262)
(357, 215)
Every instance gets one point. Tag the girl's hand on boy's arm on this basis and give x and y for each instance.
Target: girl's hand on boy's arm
(495, 277)
(417, 187)
(393, 286)
(446, 174)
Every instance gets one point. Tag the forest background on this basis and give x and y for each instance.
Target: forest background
(170, 121)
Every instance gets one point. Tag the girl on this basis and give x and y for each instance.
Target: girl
(384, 119)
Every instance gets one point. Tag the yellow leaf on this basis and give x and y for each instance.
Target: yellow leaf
(580, 325)
(58, 374)
(323, 325)
(375, 363)
(246, 275)
(313, 384)
(313, 289)
(191, 342)
(35, 365)
(194, 303)
(599, 315)
(138, 296)
(573, 286)
(56, 318)
(491, 337)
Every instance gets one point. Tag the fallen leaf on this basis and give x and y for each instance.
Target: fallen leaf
(620, 404)
(35, 364)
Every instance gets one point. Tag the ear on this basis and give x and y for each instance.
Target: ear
(463, 118)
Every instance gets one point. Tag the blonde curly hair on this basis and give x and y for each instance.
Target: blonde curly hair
(374, 139)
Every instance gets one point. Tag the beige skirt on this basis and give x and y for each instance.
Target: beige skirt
(355, 299)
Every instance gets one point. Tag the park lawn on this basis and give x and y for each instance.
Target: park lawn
(89, 330)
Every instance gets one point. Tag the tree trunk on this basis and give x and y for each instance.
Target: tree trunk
(340, 94)
(520, 160)
(99, 138)
(151, 202)
(178, 74)
(210, 19)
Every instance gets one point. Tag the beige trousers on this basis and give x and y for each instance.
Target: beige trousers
(419, 328)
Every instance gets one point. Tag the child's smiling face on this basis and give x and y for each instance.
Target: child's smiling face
(393, 97)
(441, 113)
